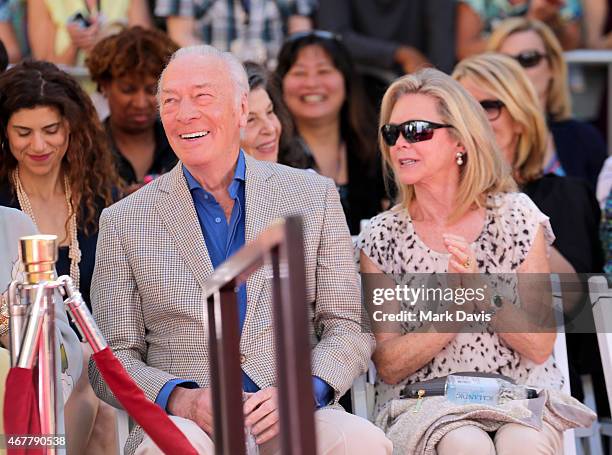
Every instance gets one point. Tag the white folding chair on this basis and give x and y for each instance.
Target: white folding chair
(123, 429)
(560, 355)
(601, 299)
(362, 392)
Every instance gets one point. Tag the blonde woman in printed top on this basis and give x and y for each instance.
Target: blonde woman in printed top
(458, 213)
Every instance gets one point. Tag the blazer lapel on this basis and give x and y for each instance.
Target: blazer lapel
(261, 209)
(176, 208)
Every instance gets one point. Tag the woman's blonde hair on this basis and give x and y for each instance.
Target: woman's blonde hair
(504, 78)
(558, 103)
(484, 171)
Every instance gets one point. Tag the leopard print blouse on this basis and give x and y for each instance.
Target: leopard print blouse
(510, 226)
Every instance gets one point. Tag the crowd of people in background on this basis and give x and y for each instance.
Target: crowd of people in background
(442, 122)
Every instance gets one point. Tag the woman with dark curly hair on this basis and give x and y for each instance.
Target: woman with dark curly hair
(56, 167)
(54, 161)
(323, 93)
(126, 68)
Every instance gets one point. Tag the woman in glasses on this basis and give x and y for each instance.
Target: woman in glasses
(574, 214)
(270, 133)
(323, 94)
(457, 213)
(574, 148)
(501, 87)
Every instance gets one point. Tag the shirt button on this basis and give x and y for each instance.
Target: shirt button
(217, 220)
(206, 196)
(242, 358)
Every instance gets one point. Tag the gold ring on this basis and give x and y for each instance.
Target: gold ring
(467, 263)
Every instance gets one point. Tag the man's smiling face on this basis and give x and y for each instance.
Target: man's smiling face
(200, 111)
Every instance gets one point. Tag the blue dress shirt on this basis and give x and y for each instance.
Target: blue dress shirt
(222, 240)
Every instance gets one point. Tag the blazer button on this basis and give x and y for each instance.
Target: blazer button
(242, 358)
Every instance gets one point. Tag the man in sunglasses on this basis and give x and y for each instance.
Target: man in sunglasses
(476, 19)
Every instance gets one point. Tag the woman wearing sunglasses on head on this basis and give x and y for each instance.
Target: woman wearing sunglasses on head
(501, 87)
(324, 96)
(574, 148)
(457, 213)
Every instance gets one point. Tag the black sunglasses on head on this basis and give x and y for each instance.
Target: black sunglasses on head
(492, 108)
(529, 59)
(412, 130)
(321, 34)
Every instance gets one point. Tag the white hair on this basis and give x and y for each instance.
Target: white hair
(233, 65)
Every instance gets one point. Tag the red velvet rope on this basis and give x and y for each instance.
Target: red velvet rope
(147, 414)
(21, 409)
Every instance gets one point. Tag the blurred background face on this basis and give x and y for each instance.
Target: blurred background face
(540, 74)
(262, 133)
(313, 88)
(132, 102)
(505, 128)
(38, 139)
(422, 162)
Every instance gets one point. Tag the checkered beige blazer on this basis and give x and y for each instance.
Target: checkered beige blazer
(151, 263)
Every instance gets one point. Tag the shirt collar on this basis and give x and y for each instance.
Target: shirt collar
(239, 176)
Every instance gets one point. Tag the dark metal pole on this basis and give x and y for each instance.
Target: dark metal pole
(225, 374)
(293, 350)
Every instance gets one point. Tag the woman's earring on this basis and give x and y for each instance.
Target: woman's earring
(459, 157)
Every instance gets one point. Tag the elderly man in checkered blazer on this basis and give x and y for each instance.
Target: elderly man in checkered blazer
(157, 247)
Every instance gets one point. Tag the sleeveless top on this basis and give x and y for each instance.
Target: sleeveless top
(511, 223)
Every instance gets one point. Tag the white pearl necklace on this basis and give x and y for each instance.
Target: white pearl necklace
(74, 252)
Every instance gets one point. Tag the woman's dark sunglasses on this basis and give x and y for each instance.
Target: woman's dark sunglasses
(412, 130)
(529, 59)
(492, 108)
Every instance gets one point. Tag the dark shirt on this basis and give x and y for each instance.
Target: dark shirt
(361, 196)
(373, 29)
(574, 216)
(580, 148)
(164, 158)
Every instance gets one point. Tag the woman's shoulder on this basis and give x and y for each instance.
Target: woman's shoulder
(573, 125)
(517, 219)
(558, 186)
(16, 221)
(511, 202)
(388, 221)
(573, 132)
(13, 224)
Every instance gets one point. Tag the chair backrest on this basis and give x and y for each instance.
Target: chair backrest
(560, 355)
(601, 299)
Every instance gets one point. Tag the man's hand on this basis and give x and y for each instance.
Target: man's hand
(261, 414)
(193, 404)
(410, 59)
